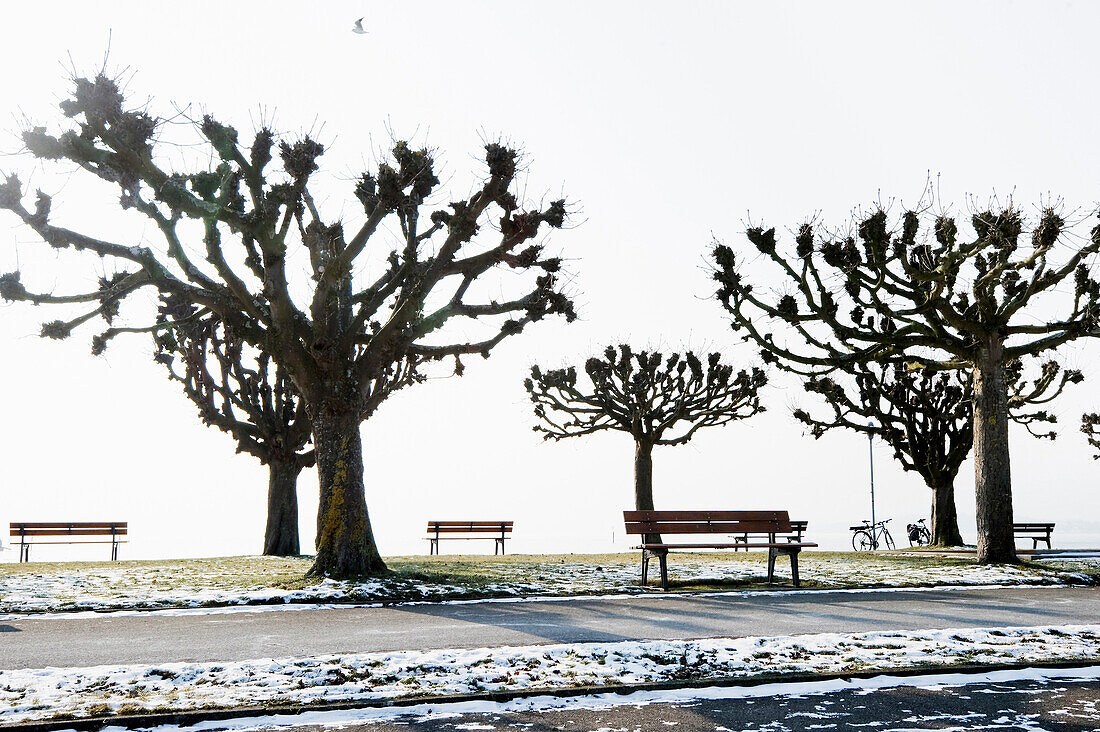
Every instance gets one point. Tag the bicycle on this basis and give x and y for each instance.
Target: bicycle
(918, 533)
(866, 537)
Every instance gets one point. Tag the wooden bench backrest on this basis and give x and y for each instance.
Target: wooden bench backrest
(707, 522)
(1032, 527)
(76, 528)
(469, 527)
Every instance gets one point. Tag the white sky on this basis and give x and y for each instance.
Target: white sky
(667, 124)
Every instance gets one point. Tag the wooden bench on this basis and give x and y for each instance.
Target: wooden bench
(771, 530)
(103, 532)
(1035, 532)
(498, 530)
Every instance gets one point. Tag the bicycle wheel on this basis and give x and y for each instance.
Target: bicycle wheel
(925, 537)
(861, 541)
(887, 539)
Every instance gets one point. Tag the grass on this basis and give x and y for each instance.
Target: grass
(51, 586)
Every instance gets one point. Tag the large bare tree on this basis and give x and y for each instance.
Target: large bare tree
(926, 418)
(920, 292)
(346, 327)
(657, 399)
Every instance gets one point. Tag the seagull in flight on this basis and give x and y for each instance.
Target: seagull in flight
(358, 27)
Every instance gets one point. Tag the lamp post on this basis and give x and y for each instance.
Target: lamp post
(871, 462)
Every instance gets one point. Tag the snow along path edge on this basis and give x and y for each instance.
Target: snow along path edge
(420, 709)
(30, 695)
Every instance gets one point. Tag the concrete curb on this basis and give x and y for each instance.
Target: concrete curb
(184, 718)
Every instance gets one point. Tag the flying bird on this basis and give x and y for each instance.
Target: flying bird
(358, 27)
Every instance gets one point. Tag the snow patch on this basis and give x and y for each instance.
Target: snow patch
(34, 694)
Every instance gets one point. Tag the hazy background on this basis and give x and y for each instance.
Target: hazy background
(665, 124)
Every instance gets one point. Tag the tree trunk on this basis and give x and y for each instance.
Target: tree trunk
(281, 536)
(945, 519)
(643, 482)
(345, 542)
(643, 475)
(992, 476)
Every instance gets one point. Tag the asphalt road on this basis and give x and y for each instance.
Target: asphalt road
(30, 642)
(1004, 706)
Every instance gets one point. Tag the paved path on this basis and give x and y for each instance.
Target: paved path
(30, 642)
(1069, 705)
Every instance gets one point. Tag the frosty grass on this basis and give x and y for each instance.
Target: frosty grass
(268, 580)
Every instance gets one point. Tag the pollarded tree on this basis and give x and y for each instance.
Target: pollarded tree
(658, 400)
(345, 327)
(922, 294)
(926, 418)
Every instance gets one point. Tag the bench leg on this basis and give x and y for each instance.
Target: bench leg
(24, 553)
(794, 568)
(114, 551)
(645, 568)
(663, 556)
(771, 564)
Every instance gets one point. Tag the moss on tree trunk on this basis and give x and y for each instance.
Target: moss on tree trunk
(345, 541)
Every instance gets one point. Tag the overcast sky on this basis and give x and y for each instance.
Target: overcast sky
(665, 124)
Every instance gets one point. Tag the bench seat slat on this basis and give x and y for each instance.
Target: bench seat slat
(85, 542)
(63, 524)
(468, 530)
(118, 526)
(727, 527)
(632, 516)
(62, 532)
(737, 545)
(470, 523)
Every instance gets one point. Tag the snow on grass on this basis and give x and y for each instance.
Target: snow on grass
(51, 587)
(36, 694)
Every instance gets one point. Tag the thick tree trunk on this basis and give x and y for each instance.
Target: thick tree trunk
(281, 536)
(992, 476)
(345, 542)
(643, 482)
(643, 475)
(945, 519)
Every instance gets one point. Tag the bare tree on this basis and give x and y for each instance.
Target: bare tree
(918, 293)
(926, 418)
(658, 400)
(356, 328)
